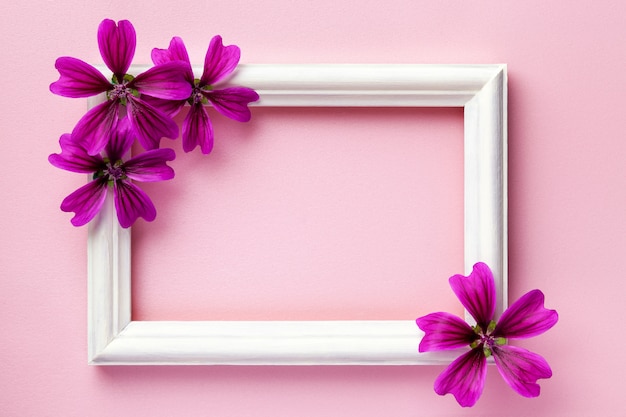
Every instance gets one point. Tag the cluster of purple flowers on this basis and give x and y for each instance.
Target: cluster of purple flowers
(139, 108)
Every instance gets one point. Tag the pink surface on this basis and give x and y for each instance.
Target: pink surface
(308, 214)
(567, 199)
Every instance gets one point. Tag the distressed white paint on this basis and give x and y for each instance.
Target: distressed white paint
(480, 89)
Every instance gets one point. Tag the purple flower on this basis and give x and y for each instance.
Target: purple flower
(124, 92)
(465, 377)
(111, 171)
(231, 102)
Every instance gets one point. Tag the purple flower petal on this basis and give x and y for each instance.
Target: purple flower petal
(526, 317)
(151, 166)
(477, 293)
(169, 107)
(94, 129)
(74, 157)
(78, 79)
(131, 203)
(86, 202)
(178, 51)
(219, 61)
(117, 45)
(197, 130)
(175, 52)
(120, 142)
(464, 378)
(233, 102)
(444, 331)
(521, 369)
(148, 124)
(167, 81)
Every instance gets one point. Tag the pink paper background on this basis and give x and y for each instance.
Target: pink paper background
(308, 214)
(567, 196)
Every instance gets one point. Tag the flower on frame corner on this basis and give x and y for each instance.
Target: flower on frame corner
(465, 377)
(111, 171)
(125, 94)
(220, 61)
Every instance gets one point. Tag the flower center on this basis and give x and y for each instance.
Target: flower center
(115, 172)
(196, 94)
(112, 171)
(486, 338)
(122, 90)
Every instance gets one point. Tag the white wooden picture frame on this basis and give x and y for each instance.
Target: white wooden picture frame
(480, 89)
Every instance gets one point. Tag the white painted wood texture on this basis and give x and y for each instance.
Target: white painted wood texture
(480, 89)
